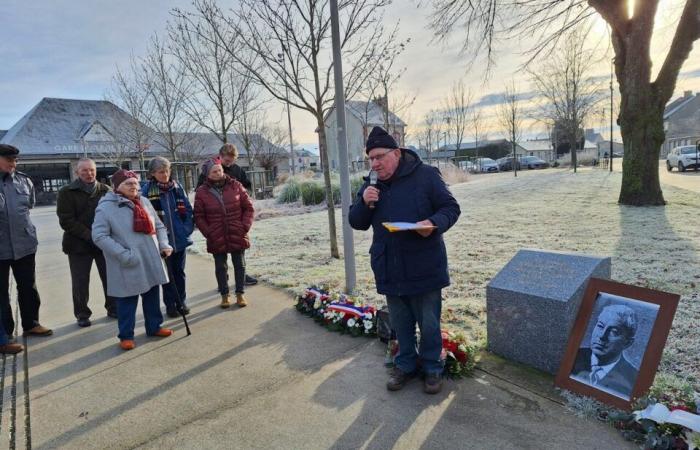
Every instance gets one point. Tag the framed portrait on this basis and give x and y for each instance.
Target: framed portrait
(616, 342)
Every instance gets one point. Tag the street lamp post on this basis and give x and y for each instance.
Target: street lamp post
(280, 57)
(612, 66)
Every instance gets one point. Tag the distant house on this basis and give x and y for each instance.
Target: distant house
(681, 122)
(361, 117)
(306, 160)
(593, 136)
(541, 148)
(57, 132)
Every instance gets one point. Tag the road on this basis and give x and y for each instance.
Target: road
(688, 180)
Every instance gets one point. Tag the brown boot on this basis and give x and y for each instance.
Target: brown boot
(11, 349)
(240, 300)
(398, 379)
(38, 331)
(225, 300)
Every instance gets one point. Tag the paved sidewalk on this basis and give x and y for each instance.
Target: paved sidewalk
(262, 377)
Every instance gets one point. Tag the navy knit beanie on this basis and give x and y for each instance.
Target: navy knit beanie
(379, 138)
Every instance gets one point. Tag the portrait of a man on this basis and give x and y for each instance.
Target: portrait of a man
(603, 364)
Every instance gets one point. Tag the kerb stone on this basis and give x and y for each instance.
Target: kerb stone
(533, 301)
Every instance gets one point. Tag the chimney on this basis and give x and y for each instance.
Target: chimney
(381, 102)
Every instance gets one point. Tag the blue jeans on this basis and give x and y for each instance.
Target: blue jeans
(126, 313)
(176, 264)
(424, 309)
(4, 338)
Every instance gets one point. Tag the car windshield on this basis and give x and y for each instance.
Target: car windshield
(486, 160)
(689, 150)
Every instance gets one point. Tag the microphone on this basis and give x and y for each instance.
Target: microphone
(372, 182)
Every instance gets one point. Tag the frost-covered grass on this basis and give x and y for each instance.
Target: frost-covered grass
(552, 209)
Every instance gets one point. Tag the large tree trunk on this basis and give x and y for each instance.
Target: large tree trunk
(330, 206)
(642, 128)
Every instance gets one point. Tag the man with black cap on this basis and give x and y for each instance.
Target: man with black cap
(19, 244)
(410, 267)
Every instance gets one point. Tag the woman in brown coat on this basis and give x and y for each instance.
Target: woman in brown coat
(223, 213)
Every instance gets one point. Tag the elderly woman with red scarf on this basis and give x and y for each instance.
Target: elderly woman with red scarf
(223, 213)
(133, 239)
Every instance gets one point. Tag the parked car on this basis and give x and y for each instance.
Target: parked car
(683, 157)
(506, 163)
(533, 162)
(486, 165)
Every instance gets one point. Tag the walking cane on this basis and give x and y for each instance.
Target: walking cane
(178, 300)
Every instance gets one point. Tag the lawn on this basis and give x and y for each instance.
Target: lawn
(554, 209)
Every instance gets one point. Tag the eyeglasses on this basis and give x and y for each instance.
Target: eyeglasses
(380, 156)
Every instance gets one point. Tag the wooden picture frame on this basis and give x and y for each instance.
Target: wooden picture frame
(616, 342)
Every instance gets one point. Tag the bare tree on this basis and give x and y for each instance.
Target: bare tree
(569, 91)
(510, 117)
(300, 30)
(429, 134)
(199, 41)
(476, 120)
(457, 105)
(269, 146)
(131, 132)
(169, 91)
(643, 100)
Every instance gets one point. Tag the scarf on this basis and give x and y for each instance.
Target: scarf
(142, 222)
(156, 189)
(219, 184)
(88, 188)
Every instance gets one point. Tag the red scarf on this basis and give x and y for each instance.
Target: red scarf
(142, 222)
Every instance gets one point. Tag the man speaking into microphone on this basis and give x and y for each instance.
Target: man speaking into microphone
(410, 267)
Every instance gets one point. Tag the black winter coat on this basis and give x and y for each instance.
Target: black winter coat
(405, 263)
(234, 171)
(75, 209)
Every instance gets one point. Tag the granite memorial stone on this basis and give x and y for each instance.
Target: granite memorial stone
(533, 301)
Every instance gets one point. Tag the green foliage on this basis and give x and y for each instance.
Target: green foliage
(290, 192)
(313, 192)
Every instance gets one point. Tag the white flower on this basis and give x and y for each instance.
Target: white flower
(368, 316)
(317, 303)
(351, 323)
(368, 324)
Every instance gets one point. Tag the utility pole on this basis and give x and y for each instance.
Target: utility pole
(348, 240)
(612, 66)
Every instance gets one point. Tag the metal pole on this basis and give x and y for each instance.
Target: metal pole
(611, 111)
(289, 116)
(348, 241)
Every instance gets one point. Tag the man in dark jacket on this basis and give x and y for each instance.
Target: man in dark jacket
(19, 245)
(229, 154)
(75, 208)
(410, 267)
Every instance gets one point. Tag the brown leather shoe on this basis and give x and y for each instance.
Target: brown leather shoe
(398, 379)
(225, 300)
(11, 349)
(241, 301)
(39, 331)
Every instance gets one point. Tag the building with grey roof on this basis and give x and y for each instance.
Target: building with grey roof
(682, 122)
(361, 116)
(57, 132)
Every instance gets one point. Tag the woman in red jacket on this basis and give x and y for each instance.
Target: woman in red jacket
(223, 213)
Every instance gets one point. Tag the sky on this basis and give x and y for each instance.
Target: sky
(70, 48)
